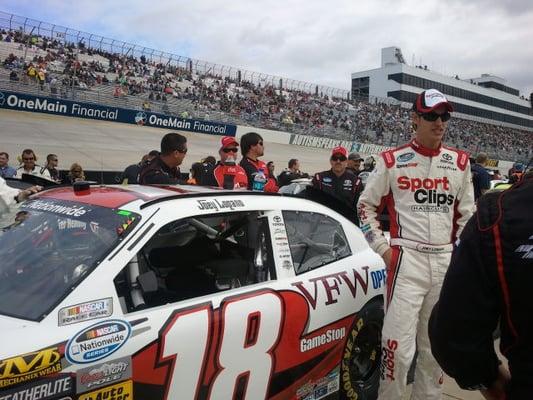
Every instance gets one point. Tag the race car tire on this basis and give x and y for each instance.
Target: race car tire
(359, 372)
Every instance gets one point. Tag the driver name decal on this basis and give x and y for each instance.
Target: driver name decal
(219, 205)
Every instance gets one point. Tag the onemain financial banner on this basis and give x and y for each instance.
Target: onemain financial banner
(69, 108)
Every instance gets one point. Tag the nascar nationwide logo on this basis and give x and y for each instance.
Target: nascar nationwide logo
(98, 341)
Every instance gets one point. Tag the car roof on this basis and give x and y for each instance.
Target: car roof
(114, 196)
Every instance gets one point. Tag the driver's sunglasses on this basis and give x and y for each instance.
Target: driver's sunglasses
(338, 158)
(433, 116)
(230, 150)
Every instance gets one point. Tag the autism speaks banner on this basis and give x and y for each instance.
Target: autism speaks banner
(69, 108)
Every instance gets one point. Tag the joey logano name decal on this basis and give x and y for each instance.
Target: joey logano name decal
(44, 389)
(97, 341)
(103, 374)
(120, 391)
(430, 194)
(29, 366)
(219, 205)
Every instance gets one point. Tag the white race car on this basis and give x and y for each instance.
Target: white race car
(181, 292)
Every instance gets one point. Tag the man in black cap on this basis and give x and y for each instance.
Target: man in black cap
(164, 169)
(354, 163)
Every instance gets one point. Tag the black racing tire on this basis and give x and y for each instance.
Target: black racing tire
(360, 363)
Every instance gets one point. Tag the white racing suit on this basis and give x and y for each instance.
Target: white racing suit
(429, 196)
(7, 195)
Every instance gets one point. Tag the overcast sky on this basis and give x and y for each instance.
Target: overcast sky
(316, 41)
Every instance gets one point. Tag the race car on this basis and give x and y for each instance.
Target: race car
(183, 292)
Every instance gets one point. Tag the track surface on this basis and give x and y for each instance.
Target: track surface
(113, 146)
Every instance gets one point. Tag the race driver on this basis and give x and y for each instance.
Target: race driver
(489, 280)
(427, 190)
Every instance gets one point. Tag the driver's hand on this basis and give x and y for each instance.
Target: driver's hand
(387, 256)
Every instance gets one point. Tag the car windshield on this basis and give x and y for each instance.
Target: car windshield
(48, 246)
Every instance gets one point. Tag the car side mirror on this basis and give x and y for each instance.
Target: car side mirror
(148, 282)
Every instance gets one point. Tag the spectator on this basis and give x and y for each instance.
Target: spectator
(271, 167)
(75, 174)
(339, 182)
(51, 166)
(291, 173)
(164, 169)
(226, 173)
(354, 163)
(252, 147)
(131, 173)
(480, 176)
(5, 170)
(30, 167)
(13, 76)
(195, 173)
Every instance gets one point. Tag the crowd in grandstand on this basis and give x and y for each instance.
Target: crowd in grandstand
(58, 67)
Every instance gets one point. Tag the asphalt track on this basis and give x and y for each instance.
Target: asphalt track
(113, 146)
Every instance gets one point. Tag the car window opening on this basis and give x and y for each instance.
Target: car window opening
(197, 256)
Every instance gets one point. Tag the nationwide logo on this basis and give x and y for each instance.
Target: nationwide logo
(97, 341)
(140, 118)
(405, 157)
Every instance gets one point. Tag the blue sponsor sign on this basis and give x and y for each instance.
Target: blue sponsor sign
(378, 278)
(405, 157)
(69, 108)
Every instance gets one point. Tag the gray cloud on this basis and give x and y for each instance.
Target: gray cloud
(317, 41)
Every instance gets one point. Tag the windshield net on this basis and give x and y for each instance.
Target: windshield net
(48, 246)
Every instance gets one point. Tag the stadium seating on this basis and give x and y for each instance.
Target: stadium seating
(75, 71)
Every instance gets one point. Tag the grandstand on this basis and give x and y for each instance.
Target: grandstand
(87, 67)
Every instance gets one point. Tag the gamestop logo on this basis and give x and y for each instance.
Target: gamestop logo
(426, 193)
